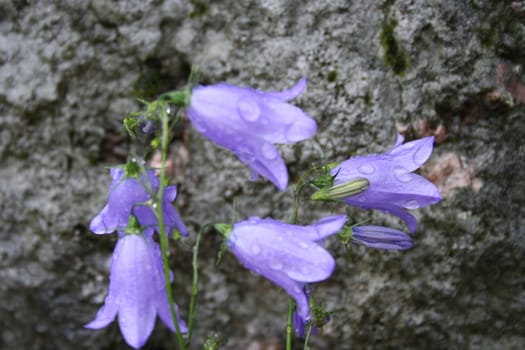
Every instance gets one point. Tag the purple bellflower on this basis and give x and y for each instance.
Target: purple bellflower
(137, 292)
(380, 237)
(288, 255)
(249, 122)
(392, 187)
(128, 196)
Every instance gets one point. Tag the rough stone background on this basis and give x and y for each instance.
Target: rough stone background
(70, 71)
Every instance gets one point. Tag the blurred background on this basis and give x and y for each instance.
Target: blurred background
(71, 70)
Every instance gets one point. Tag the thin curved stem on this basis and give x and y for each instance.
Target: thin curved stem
(195, 286)
(307, 338)
(162, 227)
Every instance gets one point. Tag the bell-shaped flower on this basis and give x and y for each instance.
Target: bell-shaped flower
(392, 185)
(137, 293)
(129, 196)
(249, 122)
(381, 237)
(288, 255)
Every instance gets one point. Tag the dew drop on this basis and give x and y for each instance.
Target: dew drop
(255, 249)
(276, 265)
(421, 156)
(200, 128)
(269, 151)
(248, 110)
(402, 174)
(303, 245)
(366, 169)
(412, 204)
(295, 133)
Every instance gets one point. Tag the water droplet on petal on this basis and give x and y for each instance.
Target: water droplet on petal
(296, 132)
(269, 151)
(409, 145)
(402, 174)
(249, 110)
(255, 249)
(421, 156)
(276, 265)
(199, 128)
(303, 244)
(305, 270)
(412, 204)
(366, 169)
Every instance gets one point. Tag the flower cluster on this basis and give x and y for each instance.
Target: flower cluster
(249, 123)
(384, 182)
(137, 292)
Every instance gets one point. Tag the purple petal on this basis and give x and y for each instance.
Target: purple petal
(320, 230)
(124, 194)
(172, 219)
(130, 281)
(98, 225)
(264, 159)
(414, 154)
(136, 323)
(272, 252)
(163, 307)
(170, 193)
(399, 141)
(105, 315)
(328, 226)
(299, 324)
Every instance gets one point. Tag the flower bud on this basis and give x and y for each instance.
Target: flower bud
(347, 189)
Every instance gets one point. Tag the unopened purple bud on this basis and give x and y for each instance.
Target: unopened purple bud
(147, 127)
(381, 237)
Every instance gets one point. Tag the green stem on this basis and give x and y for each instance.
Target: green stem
(307, 338)
(195, 286)
(162, 227)
(289, 323)
(291, 302)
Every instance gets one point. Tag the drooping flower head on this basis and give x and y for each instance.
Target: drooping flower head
(128, 196)
(249, 122)
(392, 187)
(288, 255)
(137, 292)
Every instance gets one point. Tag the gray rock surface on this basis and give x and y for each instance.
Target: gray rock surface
(70, 71)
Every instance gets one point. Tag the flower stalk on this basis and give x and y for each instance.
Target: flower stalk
(163, 236)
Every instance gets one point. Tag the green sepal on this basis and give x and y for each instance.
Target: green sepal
(347, 189)
(133, 227)
(224, 229)
(180, 98)
(326, 179)
(345, 235)
(130, 123)
(319, 316)
(132, 170)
